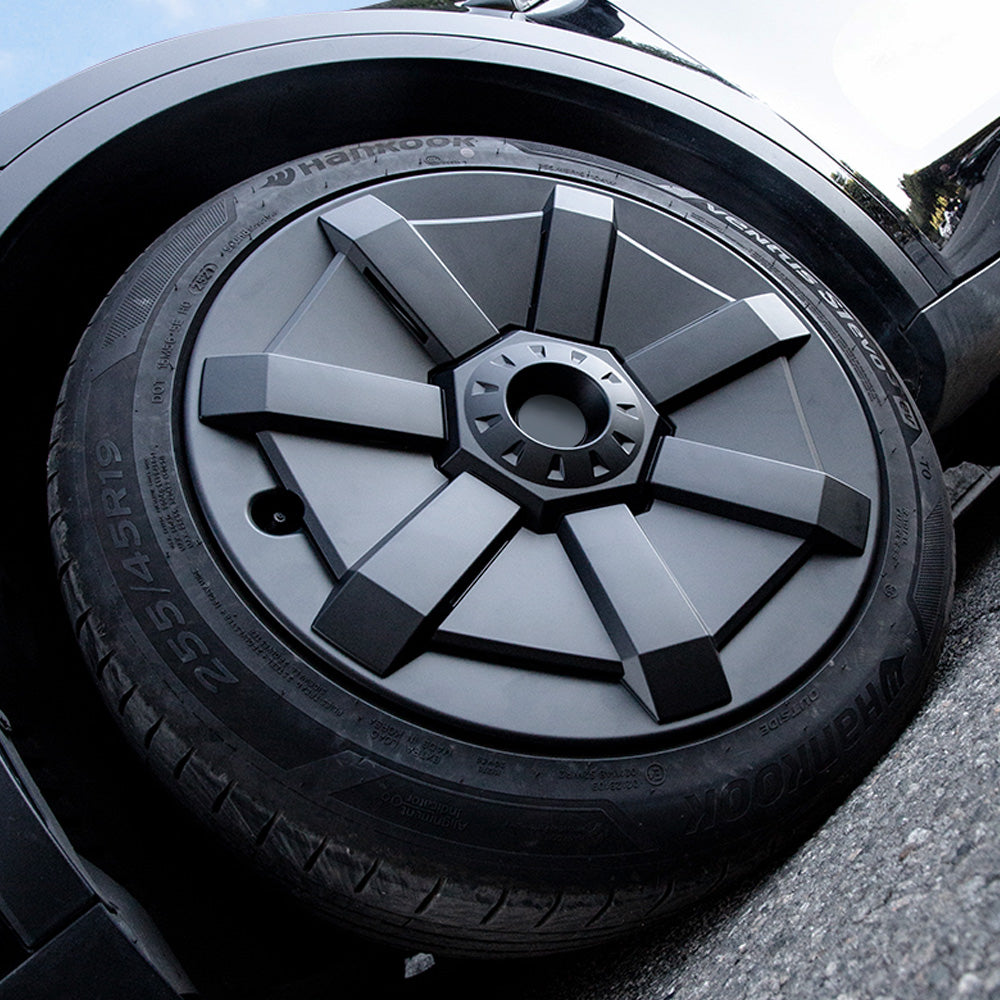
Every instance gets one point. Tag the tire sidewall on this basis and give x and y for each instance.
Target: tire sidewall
(232, 682)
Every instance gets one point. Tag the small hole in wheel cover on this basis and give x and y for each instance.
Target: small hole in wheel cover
(277, 511)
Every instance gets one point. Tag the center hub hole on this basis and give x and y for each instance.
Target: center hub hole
(557, 405)
(552, 420)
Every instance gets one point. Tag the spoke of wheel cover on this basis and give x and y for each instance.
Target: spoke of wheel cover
(394, 598)
(671, 663)
(789, 498)
(574, 263)
(717, 348)
(381, 244)
(252, 392)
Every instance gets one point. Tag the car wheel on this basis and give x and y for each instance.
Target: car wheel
(498, 545)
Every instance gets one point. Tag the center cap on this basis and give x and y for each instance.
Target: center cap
(527, 402)
(562, 416)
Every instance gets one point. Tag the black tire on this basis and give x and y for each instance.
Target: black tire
(455, 819)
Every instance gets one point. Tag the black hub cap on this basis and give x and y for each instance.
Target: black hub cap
(556, 425)
(647, 504)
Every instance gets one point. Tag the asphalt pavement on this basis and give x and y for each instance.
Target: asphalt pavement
(897, 895)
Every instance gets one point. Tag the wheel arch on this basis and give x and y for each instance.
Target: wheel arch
(96, 166)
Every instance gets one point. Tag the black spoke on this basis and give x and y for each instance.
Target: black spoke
(803, 502)
(670, 662)
(578, 239)
(389, 604)
(253, 392)
(397, 260)
(717, 348)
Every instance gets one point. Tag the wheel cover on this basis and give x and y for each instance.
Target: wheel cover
(564, 465)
